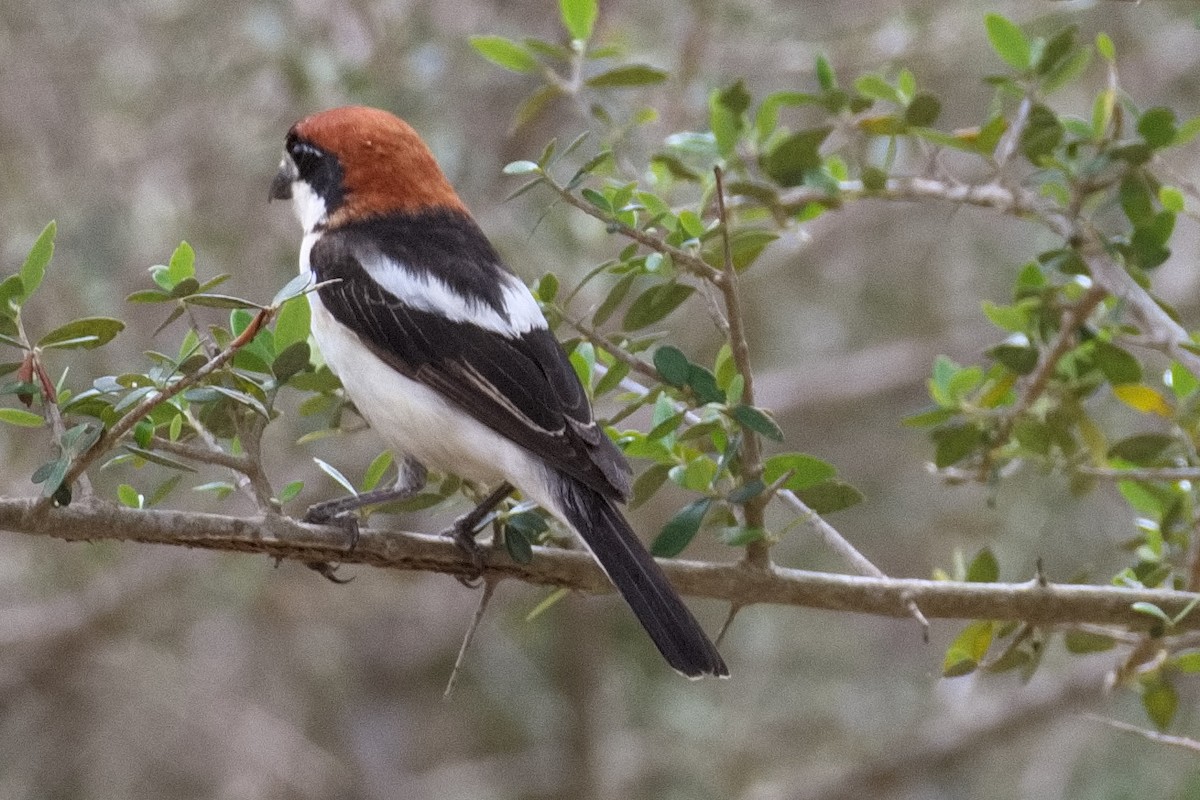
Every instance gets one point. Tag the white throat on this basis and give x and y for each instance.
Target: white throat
(309, 206)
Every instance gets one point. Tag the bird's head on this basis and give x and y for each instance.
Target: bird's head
(354, 162)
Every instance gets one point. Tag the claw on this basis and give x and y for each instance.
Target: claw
(329, 571)
(348, 522)
(464, 538)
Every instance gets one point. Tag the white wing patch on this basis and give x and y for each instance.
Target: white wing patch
(429, 293)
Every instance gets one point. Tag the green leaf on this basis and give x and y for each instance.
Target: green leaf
(1157, 127)
(336, 474)
(219, 301)
(825, 76)
(1020, 359)
(1043, 132)
(923, 111)
(295, 358)
(143, 432)
(757, 420)
(293, 323)
(149, 296)
(627, 76)
(517, 543)
(578, 17)
(1081, 642)
(795, 155)
(615, 297)
(129, 496)
(681, 529)
(984, 568)
(968, 649)
(1143, 449)
(874, 86)
(654, 304)
(51, 475)
(807, 471)
(648, 483)
(21, 418)
(830, 496)
(241, 398)
(221, 489)
(375, 471)
(954, 443)
(547, 288)
(34, 267)
(158, 458)
(697, 476)
(1008, 41)
(672, 365)
(12, 294)
(504, 53)
(1171, 199)
(1117, 364)
(290, 491)
(1187, 661)
(1151, 610)
(1056, 50)
(182, 264)
(1161, 701)
(88, 333)
(1104, 45)
(1137, 199)
(163, 489)
(704, 384)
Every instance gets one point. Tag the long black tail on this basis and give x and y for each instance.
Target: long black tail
(640, 581)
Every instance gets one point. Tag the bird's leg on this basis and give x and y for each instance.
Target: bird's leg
(463, 531)
(340, 512)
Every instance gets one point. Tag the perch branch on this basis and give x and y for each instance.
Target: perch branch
(283, 538)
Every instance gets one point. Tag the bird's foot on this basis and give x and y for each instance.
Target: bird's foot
(330, 514)
(462, 533)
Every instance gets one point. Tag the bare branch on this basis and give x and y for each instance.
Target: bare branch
(284, 538)
(1154, 736)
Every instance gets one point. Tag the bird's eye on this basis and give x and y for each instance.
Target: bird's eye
(307, 157)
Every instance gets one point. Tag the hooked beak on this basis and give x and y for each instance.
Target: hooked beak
(281, 186)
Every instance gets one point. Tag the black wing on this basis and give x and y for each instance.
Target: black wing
(523, 386)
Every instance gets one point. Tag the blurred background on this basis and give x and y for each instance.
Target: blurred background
(140, 672)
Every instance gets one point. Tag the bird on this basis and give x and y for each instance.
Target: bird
(448, 357)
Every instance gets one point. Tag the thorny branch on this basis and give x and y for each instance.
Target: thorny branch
(283, 538)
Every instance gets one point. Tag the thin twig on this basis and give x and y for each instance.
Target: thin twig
(114, 434)
(203, 454)
(1008, 142)
(1141, 473)
(598, 339)
(848, 552)
(1146, 733)
(688, 261)
(758, 551)
(489, 587)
